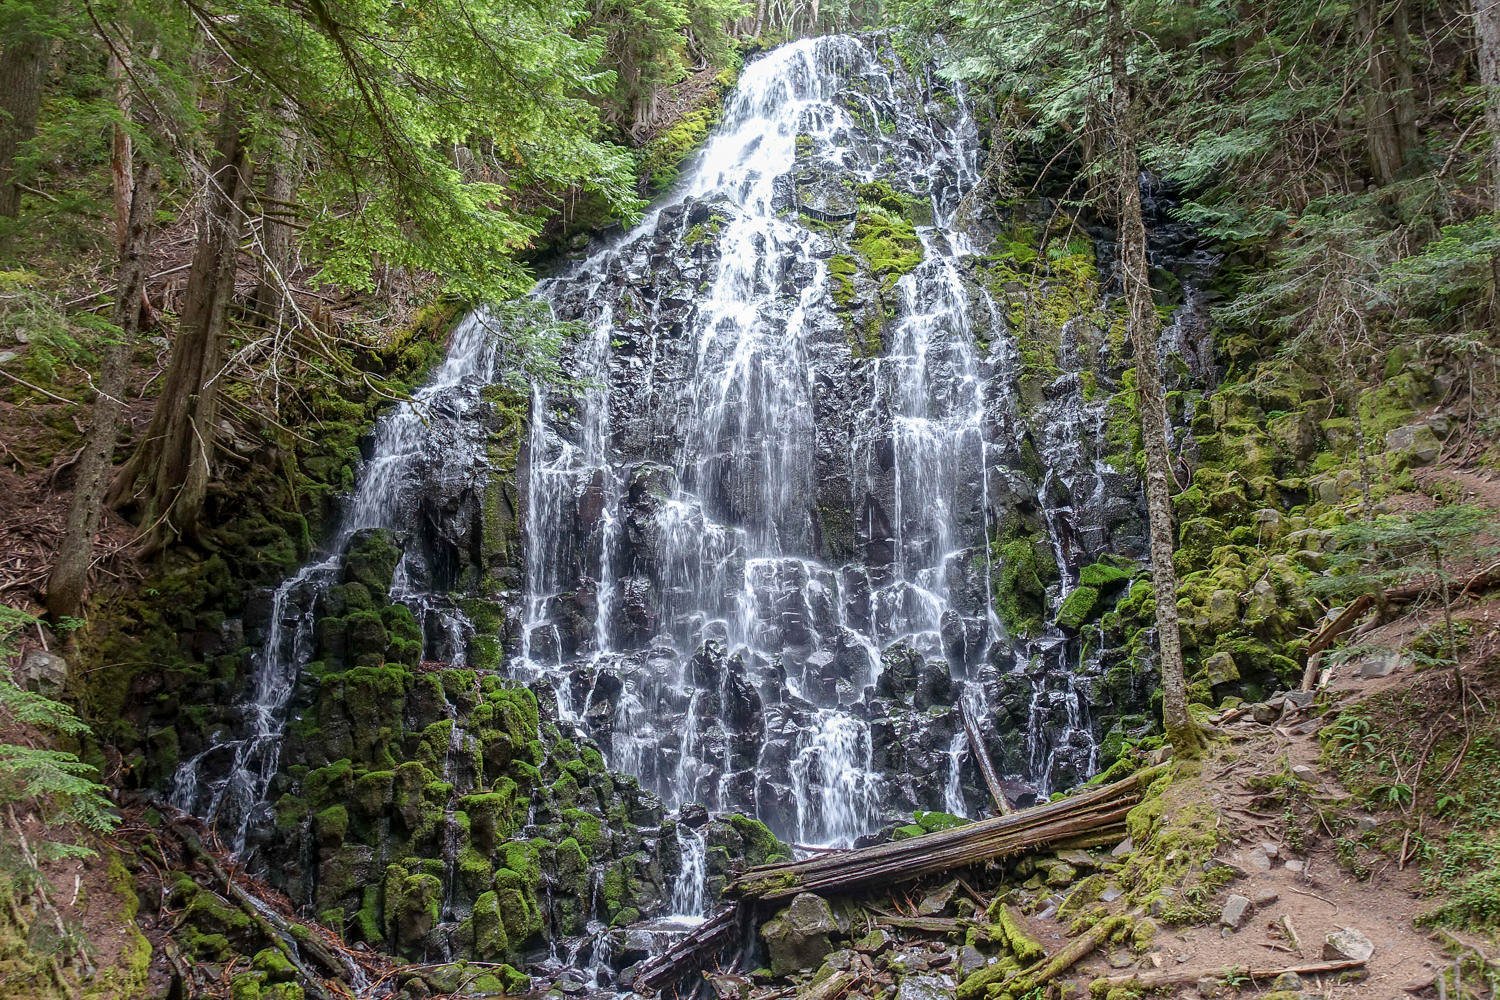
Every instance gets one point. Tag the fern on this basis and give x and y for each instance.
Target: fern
(49, 783)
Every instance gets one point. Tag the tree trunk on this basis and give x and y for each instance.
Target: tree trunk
(1145, 334)
(23, 67)
(282, 174)
(1390, 111)
(175, 456)
(1487, 36)
(69, 577)
(121, 154)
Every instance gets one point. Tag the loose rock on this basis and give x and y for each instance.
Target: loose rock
(1348, 944)
(1236, 909)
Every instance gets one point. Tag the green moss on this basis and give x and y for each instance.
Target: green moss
(1020, 594)
(332, 825)
(888, 243)
(1022, 945)
(932, 822)
(761, 845)
(371, 560)
(842, 269)
(1105, 575)
(1078, 608)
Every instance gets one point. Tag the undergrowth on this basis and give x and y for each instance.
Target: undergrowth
(1431, 766)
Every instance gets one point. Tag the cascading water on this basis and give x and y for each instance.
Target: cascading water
(758, 563)
(763, 542)
(689, 894)
(434, 435)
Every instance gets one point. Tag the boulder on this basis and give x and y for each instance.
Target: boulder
(1417, 443)
(1220, 668)
(42, 672)
(1236, 910)
(925, 987)
(800, 936)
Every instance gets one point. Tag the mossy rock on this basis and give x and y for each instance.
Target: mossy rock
(411, 907)
(371, 560)
(1078, 608)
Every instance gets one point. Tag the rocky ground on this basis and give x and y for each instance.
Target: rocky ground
(1269, 856)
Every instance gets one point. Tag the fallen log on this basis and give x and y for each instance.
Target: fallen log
(834, 986)
(1044, 971)
(1146, 981)
(987, 839)
(927, 925)
(715, 933)
(1064, 821)
(982, 758)
(1404, 594)
(272, 926)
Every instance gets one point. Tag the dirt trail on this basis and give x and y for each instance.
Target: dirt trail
(1304, 887)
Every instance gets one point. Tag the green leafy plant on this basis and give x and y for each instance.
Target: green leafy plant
(51, 784)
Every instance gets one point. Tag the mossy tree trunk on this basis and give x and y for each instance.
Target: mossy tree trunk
(1145, 335)
(1389, 105)
(69, 577)
(23, 67)
(173, 461)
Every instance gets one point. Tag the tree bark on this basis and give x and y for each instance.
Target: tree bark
(1487, 37)
(282, 172)
(174, 458)
(121, 154)
(1390, 109)
(1145, 335)
(69, 577)
(23, 67)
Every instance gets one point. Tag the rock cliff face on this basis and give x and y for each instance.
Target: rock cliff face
(846, 445)
(853, 451)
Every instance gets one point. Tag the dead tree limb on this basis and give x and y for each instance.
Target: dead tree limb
(1404, 594)
(717, 932)
(1146, 981)
(268, 922)
(982, 758)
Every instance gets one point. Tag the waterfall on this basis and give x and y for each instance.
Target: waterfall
(732, 533)
(690, 893)
(761, 530)
(434, 434)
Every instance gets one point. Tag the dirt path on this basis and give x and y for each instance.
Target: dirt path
(1303, 887)
(1476, 486)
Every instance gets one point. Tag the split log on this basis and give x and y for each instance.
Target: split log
(982, 758)
(1146, 981)
(927, 925)
(906, 860)
(836, 985)
(715, 933)
(1341, 624)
